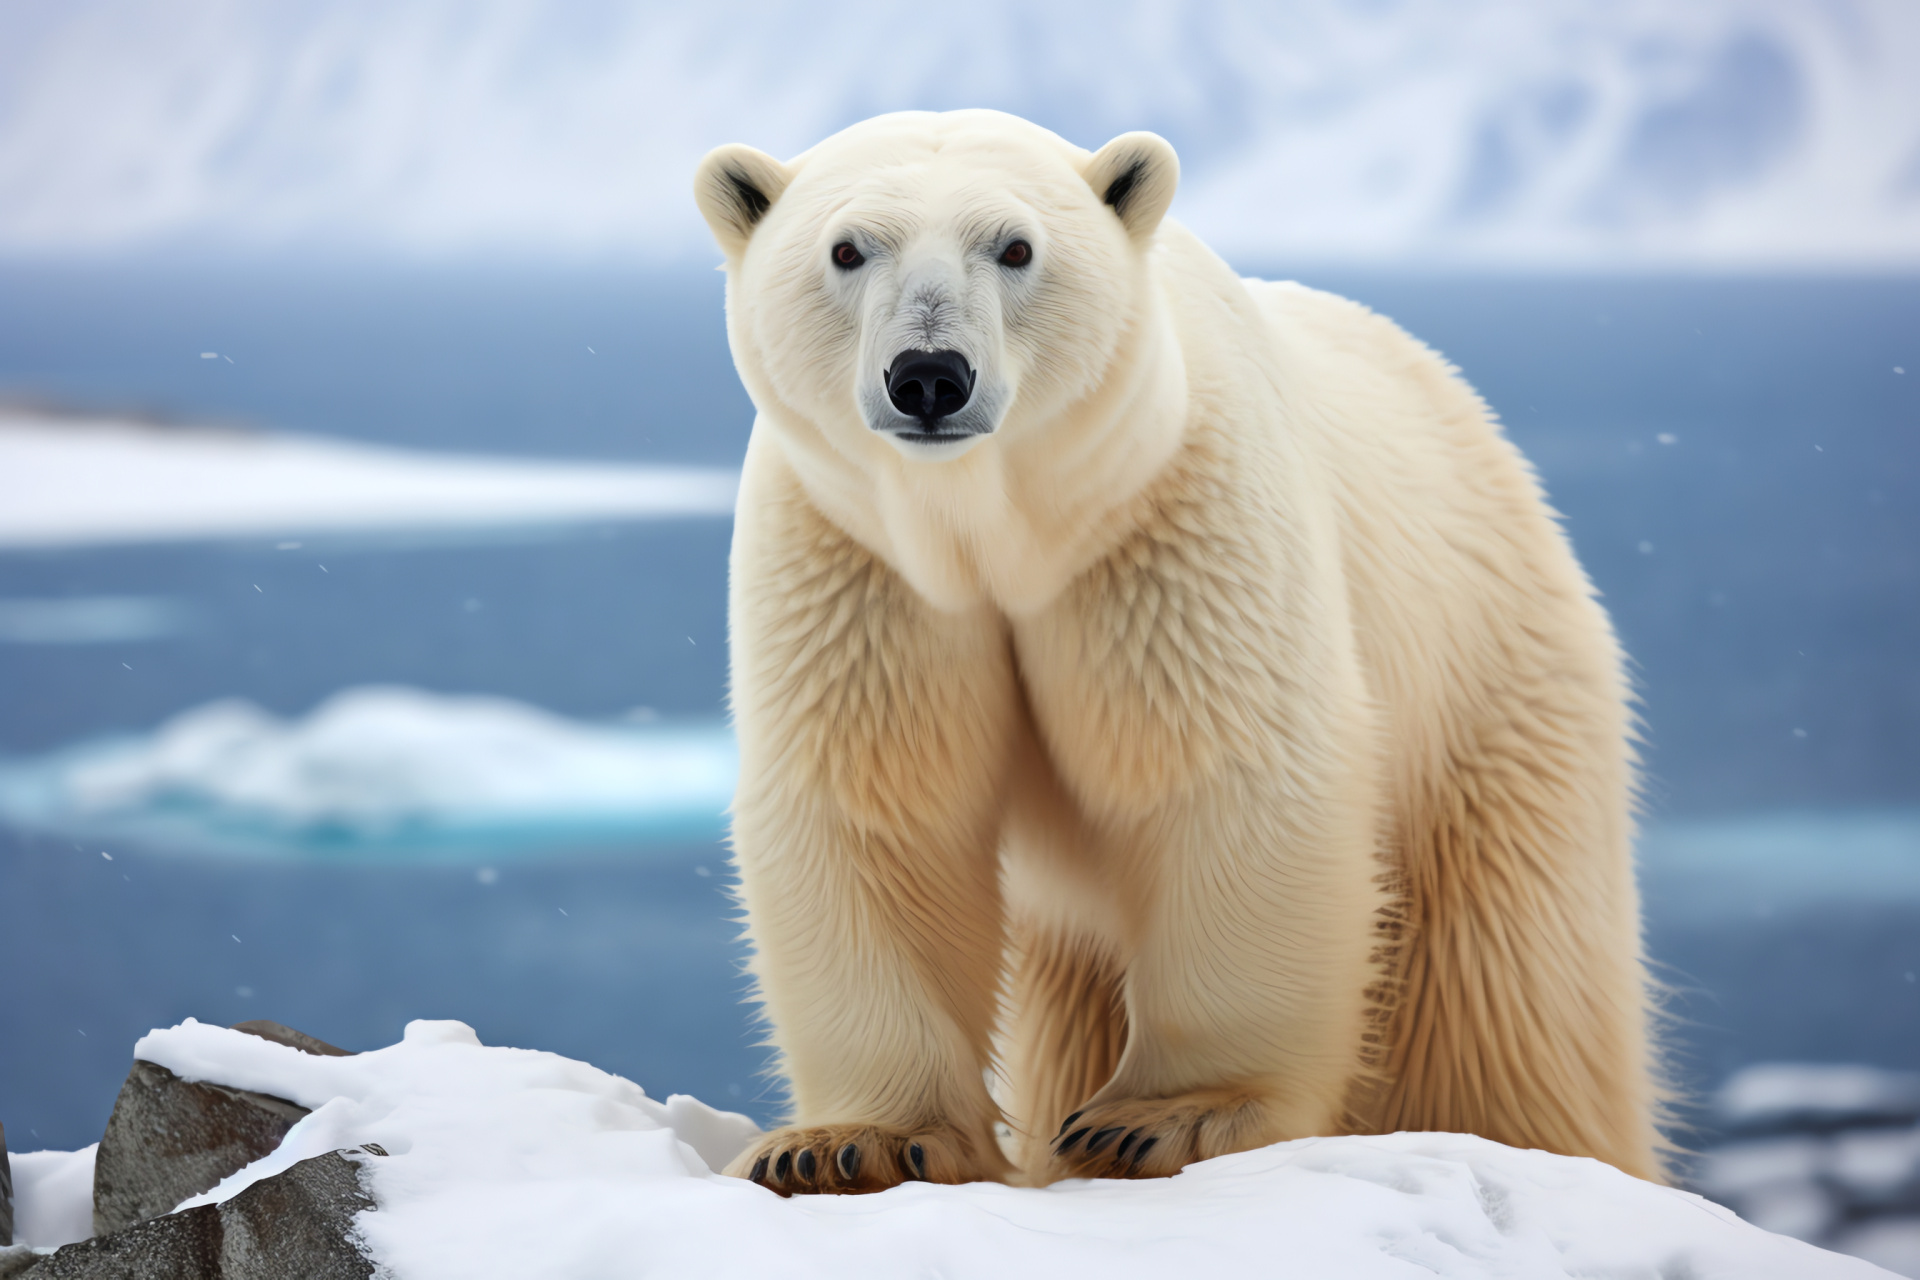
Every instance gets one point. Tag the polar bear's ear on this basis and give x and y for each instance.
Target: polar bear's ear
(1136, 173)
(735, 186)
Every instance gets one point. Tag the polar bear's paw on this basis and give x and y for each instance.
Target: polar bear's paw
(851, 1159)
(1156, 1137)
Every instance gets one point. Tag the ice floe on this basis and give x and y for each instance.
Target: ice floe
(77, 482)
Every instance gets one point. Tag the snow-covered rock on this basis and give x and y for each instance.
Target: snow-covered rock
(508, 1163)
(170, 1138)
(300, 1223)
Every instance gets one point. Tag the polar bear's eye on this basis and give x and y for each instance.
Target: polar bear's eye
(846, 257)
(1017, 254)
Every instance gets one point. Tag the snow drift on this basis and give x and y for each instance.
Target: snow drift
(507, 1162)
(1719, 133)
(52, 1196)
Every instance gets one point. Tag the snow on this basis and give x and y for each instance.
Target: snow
(382, 770)
(71, 482)
(52, 1196)
(1894, 1245)
(1743, 133)
(509, 1162)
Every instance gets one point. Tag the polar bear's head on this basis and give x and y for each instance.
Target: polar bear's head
(934, 280)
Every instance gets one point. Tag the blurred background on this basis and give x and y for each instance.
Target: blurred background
(368, 439)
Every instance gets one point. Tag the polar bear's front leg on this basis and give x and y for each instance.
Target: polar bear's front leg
(1200, 696)
(1246, 990)
(874, 737)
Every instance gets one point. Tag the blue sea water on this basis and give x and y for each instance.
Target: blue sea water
(1738, 462)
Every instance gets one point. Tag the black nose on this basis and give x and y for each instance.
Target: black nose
(929, 385)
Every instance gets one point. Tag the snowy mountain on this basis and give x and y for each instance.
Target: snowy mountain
(1719, 133)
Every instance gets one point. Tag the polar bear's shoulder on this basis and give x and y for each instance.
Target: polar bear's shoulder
(1350, 360)
(1330, 326)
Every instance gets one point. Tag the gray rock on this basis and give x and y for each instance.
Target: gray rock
(300, 1040)
(169, 1139)
(15, 1259)
(6, 1194)
(295, 1224)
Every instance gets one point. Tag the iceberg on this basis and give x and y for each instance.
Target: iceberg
(382, 772)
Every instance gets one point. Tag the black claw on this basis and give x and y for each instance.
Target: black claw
(1068, 1122)
(1120, 1151)
(806, 1164)
(918, 1159)
(759, 1173)
(782, 1166)
(849, 1162)
(1140, 1152)
(1066, 1143)
(1103, 1137)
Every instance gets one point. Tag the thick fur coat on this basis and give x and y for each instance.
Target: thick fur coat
(1202, 738)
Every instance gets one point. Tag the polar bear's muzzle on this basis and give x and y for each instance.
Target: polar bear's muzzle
(929, 386)
(932, 404)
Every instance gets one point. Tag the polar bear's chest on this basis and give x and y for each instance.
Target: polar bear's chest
(962, 534)
(963, 551)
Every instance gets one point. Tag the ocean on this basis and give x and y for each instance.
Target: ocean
(1737, 460)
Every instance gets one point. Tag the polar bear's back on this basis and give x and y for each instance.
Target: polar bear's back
(1508, 746)
(1456, 566)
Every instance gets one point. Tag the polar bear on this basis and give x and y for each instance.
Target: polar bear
(1170, 717)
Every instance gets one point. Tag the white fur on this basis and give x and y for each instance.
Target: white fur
(1235, 669)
